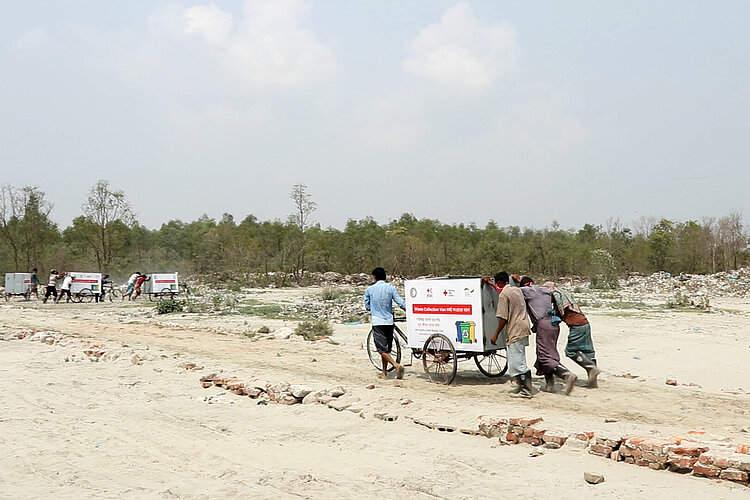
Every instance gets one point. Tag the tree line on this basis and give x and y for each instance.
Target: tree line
(108, 237)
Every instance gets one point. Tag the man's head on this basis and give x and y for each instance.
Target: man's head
(502, 278)
(379, 274)
(33, 270)
(526, 281)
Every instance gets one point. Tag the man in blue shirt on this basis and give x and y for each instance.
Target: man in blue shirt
(379, 300)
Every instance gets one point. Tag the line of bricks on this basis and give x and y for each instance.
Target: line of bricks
(281, 392)
(672, 453)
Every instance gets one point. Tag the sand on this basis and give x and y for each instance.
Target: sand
(75, 428)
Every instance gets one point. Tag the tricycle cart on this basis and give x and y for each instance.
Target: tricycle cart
(161, 286)
(18, 284)
(448, 320)
(85, 286)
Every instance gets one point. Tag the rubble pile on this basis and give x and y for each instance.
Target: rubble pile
(718, 460)
(281, 392)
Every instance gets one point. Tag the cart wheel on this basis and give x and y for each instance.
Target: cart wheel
(85, 295)
(114, 294)
(374, 355)
(439, 359)
(166, 294)
(27, 295)
(492, 363)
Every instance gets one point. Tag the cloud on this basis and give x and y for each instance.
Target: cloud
(265, 46)
(462, 51)
(36, 38)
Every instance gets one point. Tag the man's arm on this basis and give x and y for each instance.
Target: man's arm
(367, 299)
(398, 300)
(500, 325)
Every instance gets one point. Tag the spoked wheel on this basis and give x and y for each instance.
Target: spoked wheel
(85, 295)
(166, 294)
(439, 359)
(114, 294)
(492, 363)
(375, 359)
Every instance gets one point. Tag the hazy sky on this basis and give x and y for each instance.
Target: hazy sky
(521, 112)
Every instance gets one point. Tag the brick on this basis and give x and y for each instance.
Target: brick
(743, 448)
(531, 440)
(641, 463)
(491, 427)
(525, 421)
(630, 452)
(556, 437)
(681, 462)
(516, 429)
(611, 441)
(629, 460)
(688, 449)
(656, 466)
(706, 470)
(539, 433)
(734, 475)
(528, 432)
(634, 441)
(659, 458)
(206, 384)
(615, 455)
(739, 461)
(511, 438)
(706, 458)
(578, 444)
(585, 435)
(601, 450)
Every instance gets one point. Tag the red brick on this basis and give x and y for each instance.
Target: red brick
(531, 440)
(516, 429)
(641, 463)
(528, 432)
(585, 435)
(656, 466)
(743, 448)
(706, 470)
(629, 460)
(527, 421)
(706, 458)
(634, 441)
(554, 437)
(206, 384)
(688, 449)
(739, 461)
(658, 445)
(539, 433)
(734, 475)
(630, 452)
(601, 450)
(681, 462)
(658, 458)
(511, 437)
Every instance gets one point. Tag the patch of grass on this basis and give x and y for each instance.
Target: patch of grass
(311, 330)
(269, 310)
(332, 293)
(264, 329)
(169, 306)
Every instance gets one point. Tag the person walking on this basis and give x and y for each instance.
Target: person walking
(139, 283)
(511, 312)
(547, 328)
(379, 298)
(580, 346)
(51, 286)
(131, 285)
(34, 287)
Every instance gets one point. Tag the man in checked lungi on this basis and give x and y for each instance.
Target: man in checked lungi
(546, 325)
(379, 299)
(580, 346)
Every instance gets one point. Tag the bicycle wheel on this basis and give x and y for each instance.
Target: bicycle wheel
(439, 359)
(166, 294)
(114, 294)
(492, 363)
(85, 295)
(374, 355)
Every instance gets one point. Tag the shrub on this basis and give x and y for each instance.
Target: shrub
(311, 330)
(168, 306)
(264, 329)
(331, 294)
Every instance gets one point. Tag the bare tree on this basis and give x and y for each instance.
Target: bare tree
(108, 212)
(303, 208)
(24, 223)
(732, 238)
(11, 212)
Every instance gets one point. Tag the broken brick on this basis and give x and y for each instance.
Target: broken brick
(601, 450)
(706, 470)
(688, 449)
(734, 475)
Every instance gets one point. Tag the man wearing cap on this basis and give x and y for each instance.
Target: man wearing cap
(379, 299)
(51, 286)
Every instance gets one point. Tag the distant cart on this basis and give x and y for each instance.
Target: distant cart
(448, 320)
(85, 286)
(18, 284)
(162, 286)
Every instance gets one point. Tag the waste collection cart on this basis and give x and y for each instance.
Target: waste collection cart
(450, 319)
(162, 286)
(85, 286)
(18, 284)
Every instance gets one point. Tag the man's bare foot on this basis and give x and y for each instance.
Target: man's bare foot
(400, 372)
(381, 375)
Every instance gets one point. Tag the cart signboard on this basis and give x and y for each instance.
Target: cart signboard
(17, 283)
(82, 281)
(462, 309)
(162, 283)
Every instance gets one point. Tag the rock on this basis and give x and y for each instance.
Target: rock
(371, 386)
(299, 391)
(592, 478)
(671, 381)
(336, 392)
(283, 333)
(339, 405)
(536, 451)
(388, 417)
(136, 360)
(552, 446)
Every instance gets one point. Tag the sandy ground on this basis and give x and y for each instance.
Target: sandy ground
(73, 428)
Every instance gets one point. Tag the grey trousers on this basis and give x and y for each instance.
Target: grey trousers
(517, 357)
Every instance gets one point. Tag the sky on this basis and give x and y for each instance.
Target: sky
(523, 113)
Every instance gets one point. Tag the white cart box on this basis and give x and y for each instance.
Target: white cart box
(92, 281)
(162, 283)
(462, 309)
(17, 283)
